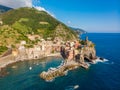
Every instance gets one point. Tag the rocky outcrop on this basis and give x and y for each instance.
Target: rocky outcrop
(89, 52)
(78, 52)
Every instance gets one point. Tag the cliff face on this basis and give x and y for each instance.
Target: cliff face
(78, 52)
(89, 52)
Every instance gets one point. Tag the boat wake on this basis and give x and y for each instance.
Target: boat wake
(72, 87)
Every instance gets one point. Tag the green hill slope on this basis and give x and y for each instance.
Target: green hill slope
(17, 24)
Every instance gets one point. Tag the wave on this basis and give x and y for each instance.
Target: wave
(50, 80)
(66, 73)
(99, 60)
(88, 64)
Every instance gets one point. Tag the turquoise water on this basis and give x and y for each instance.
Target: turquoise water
(103, 75)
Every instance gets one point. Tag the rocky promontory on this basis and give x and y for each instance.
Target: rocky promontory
(75, 55)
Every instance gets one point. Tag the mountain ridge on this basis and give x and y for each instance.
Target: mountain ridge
(4, 9)
(78, 30)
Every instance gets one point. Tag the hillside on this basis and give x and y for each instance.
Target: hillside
(18, 24)
(78, 30)
(4, 9)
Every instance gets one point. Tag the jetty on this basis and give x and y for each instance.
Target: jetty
(61, 70)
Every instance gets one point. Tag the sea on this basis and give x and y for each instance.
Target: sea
(100, 76)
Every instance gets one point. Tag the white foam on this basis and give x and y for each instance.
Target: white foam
(99, 60)
(88, 64)
(66, 73)
(50, 80)
(105, 60)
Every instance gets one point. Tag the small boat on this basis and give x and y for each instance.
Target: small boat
(30, 68)
(72, 87)
(76, 86)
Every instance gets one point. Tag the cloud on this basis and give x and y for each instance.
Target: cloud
(24, 3)
(69, 22)
(43, 9)
(16, 3)
(40, 8)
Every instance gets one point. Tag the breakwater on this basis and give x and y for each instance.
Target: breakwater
(61, 70)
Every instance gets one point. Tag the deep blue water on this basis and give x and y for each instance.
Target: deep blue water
(99, 76)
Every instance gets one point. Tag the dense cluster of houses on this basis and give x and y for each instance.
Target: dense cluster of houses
(42, 49)
(69, 50)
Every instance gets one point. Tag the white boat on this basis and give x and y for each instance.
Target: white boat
(76, 86)
(30, 68)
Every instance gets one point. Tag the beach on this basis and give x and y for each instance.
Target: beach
(10, 59)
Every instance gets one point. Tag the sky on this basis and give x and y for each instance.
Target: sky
(91, 15)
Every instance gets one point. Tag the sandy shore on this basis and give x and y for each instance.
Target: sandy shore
(10, 59)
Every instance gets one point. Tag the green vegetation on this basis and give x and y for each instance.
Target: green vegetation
(30, 17)
(19, 23)
(83, 42)
(3, 49)
(92, 45)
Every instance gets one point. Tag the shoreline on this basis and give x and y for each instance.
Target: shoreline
(10, 59)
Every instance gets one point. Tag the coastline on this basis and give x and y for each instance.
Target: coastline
(93, 76)
(10, 59)
(74, 51)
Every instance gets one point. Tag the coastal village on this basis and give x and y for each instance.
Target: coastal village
(69, 50)
(74, 54)
(52, 38)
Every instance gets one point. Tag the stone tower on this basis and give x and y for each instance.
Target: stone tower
(86, 38)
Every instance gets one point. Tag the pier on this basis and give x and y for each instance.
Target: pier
(61, 70)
